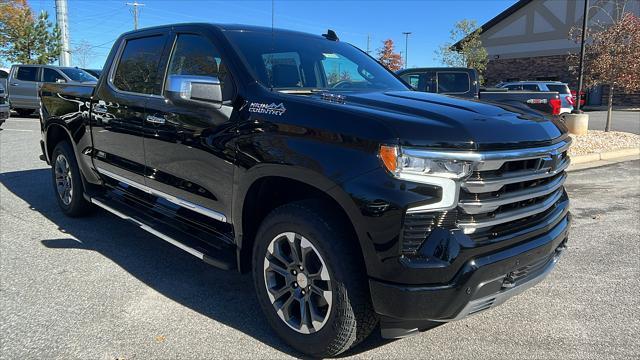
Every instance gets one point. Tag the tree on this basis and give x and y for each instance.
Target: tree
(464, 48)
(24, 38)
(387, 57)
(611, 55)
(82, 54)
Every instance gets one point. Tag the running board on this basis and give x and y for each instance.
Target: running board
(225, 264)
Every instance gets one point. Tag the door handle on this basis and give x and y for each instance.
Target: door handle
(14, 84)
(156, 119)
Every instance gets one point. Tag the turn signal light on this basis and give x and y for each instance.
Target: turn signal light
(389, 157)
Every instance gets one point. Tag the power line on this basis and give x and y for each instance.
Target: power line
(135, 11)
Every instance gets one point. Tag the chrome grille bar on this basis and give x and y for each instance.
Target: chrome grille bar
(485, 206)
(496, 183)
(472, 226)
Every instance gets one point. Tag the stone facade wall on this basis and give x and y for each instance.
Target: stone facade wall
(546, 68)
(529, 68)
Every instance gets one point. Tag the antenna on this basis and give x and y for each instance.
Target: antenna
(135, 12)
(273, 47)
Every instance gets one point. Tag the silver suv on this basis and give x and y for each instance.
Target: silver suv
(25, 81)
(560, 87)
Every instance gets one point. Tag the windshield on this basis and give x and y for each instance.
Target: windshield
(79, 75)
(299, 63)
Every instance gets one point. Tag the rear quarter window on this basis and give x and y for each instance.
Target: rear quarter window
(138, 68)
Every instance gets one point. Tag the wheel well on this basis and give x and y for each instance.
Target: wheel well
(55, 134)
(271, 192)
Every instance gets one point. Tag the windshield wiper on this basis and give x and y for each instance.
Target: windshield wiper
(301, 91)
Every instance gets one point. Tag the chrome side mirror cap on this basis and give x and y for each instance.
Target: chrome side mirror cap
(203, 90)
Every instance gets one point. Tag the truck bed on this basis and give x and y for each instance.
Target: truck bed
(66, 101)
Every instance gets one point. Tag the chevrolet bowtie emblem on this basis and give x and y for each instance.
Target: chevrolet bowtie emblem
(550, 162)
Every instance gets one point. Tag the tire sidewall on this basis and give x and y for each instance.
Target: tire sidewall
(75, 205)
(318, 342)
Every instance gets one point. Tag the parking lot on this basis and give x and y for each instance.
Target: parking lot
(98, 287)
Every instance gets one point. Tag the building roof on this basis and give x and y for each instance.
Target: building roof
(498, 18)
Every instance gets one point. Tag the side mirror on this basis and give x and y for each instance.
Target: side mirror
(61, 81)
(191, 89)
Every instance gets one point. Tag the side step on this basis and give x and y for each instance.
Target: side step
(221, 256)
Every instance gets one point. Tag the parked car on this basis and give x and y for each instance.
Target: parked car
(463, 82)
(4, 105)
(567, 99)
(95, 72)
(25, 81)
(4, 75)
(353, 200)
(583, 97)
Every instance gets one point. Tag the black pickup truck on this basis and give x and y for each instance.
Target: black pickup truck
(464, 82)
(352, 200)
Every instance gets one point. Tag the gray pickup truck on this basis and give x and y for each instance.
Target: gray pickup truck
(25, 81)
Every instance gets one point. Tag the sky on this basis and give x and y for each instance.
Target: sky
(99, 23)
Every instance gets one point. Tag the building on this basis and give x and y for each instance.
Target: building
(530, 41)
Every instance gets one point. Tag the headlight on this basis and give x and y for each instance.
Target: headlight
(401, 164)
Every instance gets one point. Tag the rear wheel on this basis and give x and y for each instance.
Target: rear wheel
(310, 280)
(67, 181)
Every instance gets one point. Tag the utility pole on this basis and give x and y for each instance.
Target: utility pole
(135, 11)
(406, 53)
(580, 70)
(62, 19)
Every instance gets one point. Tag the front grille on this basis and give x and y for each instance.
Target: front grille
(502, 192)
(508, 192)
(418, 226)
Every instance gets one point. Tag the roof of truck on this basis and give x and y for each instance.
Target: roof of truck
(232, 27)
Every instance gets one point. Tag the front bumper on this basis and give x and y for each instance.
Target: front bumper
(484, 282)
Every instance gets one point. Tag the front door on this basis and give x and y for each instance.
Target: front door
(187, 154)
(118, 112)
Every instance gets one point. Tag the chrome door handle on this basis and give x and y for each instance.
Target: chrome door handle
(156, 119)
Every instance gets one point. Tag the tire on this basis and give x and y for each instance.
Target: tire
(67, 181)
(344, 316)
(24, 112)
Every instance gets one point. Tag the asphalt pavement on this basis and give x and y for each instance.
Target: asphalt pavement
(100, 288)
(628, 121)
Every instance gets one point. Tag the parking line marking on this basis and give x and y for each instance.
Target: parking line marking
(18, 130)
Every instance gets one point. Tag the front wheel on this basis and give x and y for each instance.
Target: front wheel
(67, 181)
(310, 280)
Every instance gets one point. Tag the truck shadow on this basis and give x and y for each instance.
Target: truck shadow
(224, 296)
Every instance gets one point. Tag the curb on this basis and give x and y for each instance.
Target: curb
(579, 162)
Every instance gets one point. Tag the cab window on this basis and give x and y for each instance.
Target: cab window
(138, 68)
(195, 55)
(453, 82)
(27, 73)
(50, 75)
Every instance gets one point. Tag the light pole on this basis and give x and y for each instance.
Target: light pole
(580, 67)
(406, 54)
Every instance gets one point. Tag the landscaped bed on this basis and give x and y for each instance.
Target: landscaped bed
(596, 141)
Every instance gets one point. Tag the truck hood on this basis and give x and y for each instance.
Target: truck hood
(432, 120)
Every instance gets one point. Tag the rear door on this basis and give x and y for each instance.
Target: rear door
(23, 87)
(187, 151)
(454, 83)
(134, 77)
